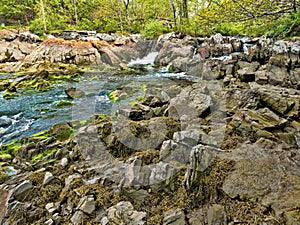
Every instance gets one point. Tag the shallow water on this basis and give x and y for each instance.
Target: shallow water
(35, 111)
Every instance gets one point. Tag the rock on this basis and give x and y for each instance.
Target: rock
(174, 217)
(70, 178)
(22, 188)
(218, 38)
(195, 221)
(49, 222)
(237, 45)
(87, 204)
(201, 158)
(77, 217)
(64, 162)
(216, 215)
(292, 217)
(48, 178)
(123, 213)
(242, 99)
(261, 77)
(52, 207)
(204, 50)
(74, 92)
(61, 130)
(106, 37)
(3, 177)
(28, 37)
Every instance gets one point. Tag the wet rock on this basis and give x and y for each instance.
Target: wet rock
(216, 215)
(218, 38)
(61, 131)
(174, 217)
(74, 92)
(87, 204)
(124, 213)
(22, 188)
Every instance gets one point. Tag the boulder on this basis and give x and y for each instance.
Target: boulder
(216, 215)
(87, 204)
(74, 92)
(124, 213)
(22, 188)
(174, 217)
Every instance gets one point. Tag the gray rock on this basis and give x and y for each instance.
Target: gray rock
(106, 37)
(280, 47)
(87, 204)
(123, 213)
(218, 38)
(52, 207)
(22, 188)
(216, 215)
(174, 217)
(64, 162)
(74, 92)
(77, 217)
(70, 178)
(201, 158)
(49, 222)
(48, 178)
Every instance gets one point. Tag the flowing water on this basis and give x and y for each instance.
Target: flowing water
(35, 111)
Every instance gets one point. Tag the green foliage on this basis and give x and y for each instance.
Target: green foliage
(285, 26)
(154, 28)
(152, 18)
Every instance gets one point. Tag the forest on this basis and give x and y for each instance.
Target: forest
(272, 18)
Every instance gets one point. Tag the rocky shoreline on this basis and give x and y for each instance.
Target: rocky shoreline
(222, 148)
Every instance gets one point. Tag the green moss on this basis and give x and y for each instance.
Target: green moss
(42, 156)
(5, 157)
(112, 96)
(9, 95)
(10, 148)
(63, 103)
(42, 134)
(3, 177)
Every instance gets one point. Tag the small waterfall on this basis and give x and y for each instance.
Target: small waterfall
(147, 60)
(195, 52)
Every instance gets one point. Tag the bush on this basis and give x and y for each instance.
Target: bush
(154, 28)
(285, 26)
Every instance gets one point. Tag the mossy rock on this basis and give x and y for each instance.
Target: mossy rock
(5, 157)
(63, 103)
(62, 131)
(3, 177)
(9, 95)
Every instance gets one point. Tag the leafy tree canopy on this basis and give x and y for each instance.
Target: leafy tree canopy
(151, 17)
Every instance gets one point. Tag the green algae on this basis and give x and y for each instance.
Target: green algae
(43, 156)
(63, 103)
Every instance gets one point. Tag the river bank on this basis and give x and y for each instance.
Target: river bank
(217, 144)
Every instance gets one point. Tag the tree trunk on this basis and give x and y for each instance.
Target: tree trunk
(43, 16)
(185, 9)
(174, 13)
(75, 11)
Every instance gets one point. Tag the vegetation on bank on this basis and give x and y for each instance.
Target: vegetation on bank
(279, 18)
